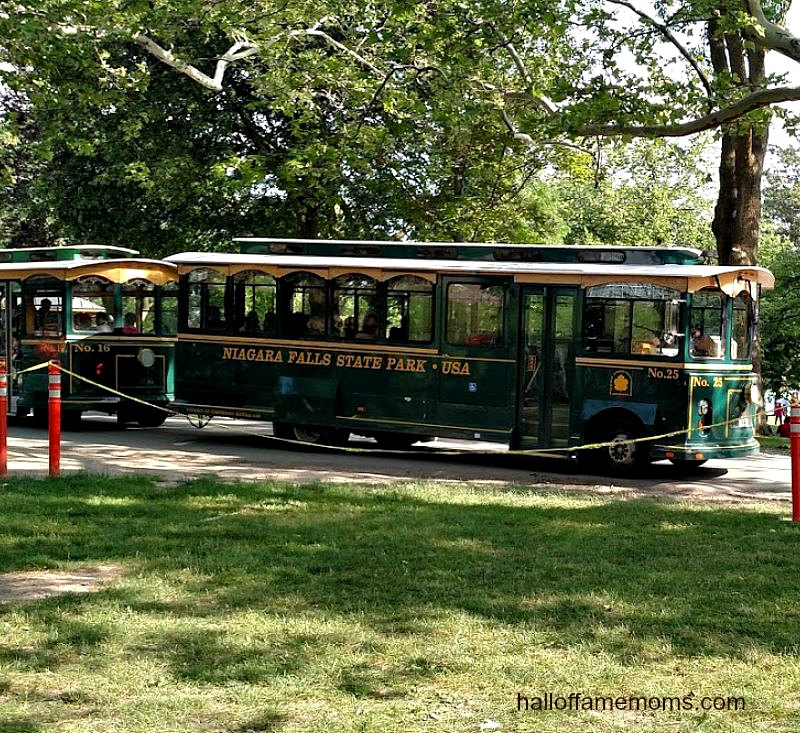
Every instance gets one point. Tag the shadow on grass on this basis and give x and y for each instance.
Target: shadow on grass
(621, 577)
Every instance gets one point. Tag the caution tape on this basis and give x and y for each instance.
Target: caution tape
(113, 391)
(353, 449)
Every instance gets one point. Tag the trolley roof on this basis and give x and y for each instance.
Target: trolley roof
(500, 252)
(116, 270)
(686, 278)
(65, 252)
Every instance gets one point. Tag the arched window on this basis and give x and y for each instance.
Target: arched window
(254, 303)
(93, 308)
(205, 290)
(409, 309)
(138, 307)
(741, 339)
(305, 305)
(356, 308)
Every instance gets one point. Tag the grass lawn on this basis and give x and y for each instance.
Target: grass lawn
(774, 444)
(419, 607)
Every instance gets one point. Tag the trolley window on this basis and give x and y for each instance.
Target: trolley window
(356, 308)
(475, 314)
(255, 303)
(43, 306)
(93, 305)
(138, 307)
(206, 300)
(306, 302)
(623, 318)
(409, 309)
(169, 309)
(741, 339)
(707, 321)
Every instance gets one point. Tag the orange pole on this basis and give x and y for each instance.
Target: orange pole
(3, 419)
(794, 440)
(54, 411)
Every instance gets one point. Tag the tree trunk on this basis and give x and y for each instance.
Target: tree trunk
(737, 215)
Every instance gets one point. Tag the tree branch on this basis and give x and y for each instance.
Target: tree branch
(670, 36)
(240, 50)
(754, 101)
(776, 37)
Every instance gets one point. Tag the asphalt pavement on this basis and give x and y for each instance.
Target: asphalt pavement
(246, 450)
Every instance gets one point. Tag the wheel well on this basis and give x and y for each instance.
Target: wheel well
(600, 422)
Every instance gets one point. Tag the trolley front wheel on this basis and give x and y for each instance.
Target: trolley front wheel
(623, 454)
(687, 465)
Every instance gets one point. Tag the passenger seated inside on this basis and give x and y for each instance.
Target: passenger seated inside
(45, 319)
(702, 344)
(129, 324)
(650, 346)
(316, 325)
(399, 333)
(350, 327)
(250, 322)
(270, 324)
(105, 323)
(297, 325)
(82, 321)
(214, 319)
(369, 328)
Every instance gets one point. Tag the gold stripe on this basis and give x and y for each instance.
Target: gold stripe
(477, 358)
(690, 366)
(165, 341)
(700, 448)
(318, 345)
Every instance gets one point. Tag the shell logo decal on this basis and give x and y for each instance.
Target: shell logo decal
(621, 384)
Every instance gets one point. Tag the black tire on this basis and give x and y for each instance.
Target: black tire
(71, 420)
(687, 465)
(312, 434)
(622, 457)
(151, 418)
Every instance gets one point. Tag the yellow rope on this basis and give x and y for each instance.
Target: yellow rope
(349, 449)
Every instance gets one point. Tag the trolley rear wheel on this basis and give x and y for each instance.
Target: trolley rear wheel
(395, 441)
(313, 434)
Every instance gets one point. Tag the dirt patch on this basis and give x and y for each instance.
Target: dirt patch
(32, 585)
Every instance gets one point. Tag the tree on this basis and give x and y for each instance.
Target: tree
(328, 123)
(683, 68)
(648, 192)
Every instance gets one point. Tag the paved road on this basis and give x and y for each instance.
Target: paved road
(246, 450)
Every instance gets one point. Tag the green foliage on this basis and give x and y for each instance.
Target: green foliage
(780, 314)
(643, 193)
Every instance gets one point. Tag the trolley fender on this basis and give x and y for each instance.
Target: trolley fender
(645, 411)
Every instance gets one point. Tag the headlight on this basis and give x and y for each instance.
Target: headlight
(146, 358)
(703, 407)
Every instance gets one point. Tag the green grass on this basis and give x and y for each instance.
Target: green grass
(418, 607)
(774, 444)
